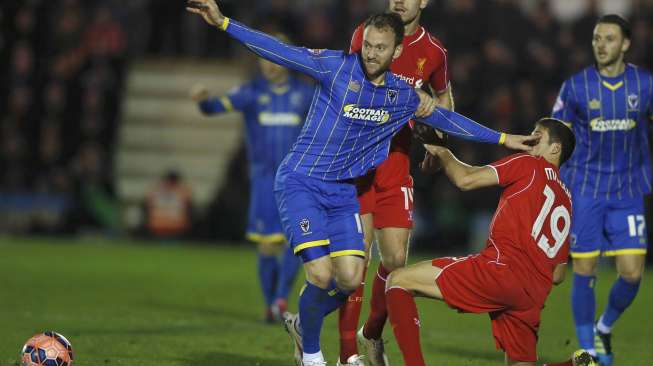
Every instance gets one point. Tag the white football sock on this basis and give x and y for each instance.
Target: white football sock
(313, 356)
(602, 327)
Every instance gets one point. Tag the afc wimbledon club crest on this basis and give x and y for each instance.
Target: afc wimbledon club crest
(392, 95)
(633, 101)
(305, 225)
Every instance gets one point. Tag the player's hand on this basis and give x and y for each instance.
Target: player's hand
(199, 93)
(426, 105)
(434, 150)
(430, 164)
(429, 135)
(519, 142)
(208, 9)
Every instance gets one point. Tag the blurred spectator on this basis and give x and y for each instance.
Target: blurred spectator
(168, 207)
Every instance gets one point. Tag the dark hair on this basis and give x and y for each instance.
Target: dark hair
(388, 20)
(615, 19)
(560, 133)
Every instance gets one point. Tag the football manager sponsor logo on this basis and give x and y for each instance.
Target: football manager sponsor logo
(604, 125)
(366, 114)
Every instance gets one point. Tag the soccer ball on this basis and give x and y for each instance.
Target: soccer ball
(47, 349)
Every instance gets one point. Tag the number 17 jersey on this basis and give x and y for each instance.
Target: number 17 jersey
(529, 232)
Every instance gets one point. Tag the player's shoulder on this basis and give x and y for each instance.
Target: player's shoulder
(640, 71)
(518, 158)
(427, 42)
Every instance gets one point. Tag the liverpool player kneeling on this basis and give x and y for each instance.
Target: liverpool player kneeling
(526, 251)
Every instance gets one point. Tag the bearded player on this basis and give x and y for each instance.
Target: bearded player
(386, 194)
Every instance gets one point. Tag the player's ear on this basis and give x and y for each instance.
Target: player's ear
(398, 49)
(556, 148)
(625, 46)
(423, 4)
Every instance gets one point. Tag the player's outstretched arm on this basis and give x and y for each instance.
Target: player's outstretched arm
(296, 58)
(458, 125)
(464, 176)
(211, 104)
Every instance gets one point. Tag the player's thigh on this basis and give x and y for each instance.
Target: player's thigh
(368, 231)
(587, 228)
(393, 246)
(625, 227)
(394, 207)
(419, 279)
(303, 218)
(630, 266)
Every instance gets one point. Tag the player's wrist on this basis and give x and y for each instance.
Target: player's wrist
(224, 24)
(502, 138)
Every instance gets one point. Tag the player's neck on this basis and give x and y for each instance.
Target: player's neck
(614, 69)
(377, 80)
(411, 28)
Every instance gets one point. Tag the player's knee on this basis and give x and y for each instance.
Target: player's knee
(631, 275)
(394, 261)
(348, 280)
(585, 267)
(397, 279)
(269, 248)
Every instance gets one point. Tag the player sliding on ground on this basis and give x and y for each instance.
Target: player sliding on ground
(526, 251)
(357, 108)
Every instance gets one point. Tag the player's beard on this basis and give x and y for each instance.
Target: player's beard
(383, 67)
(609, 61)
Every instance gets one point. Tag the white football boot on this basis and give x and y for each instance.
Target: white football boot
(290, 323)
(353, 360)
(374, 348)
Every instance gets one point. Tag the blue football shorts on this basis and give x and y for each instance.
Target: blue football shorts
(263, 222)
(608, 227)
(319, 218)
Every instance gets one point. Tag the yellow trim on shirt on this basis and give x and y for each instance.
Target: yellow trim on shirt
(612, 87)
(310, 244)
(225, 24)
(502, 139)
(226, 102)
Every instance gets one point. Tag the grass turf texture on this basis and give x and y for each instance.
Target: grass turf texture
(171, 305)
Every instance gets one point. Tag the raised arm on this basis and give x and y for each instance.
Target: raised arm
(458, 125)
(236, 99)
(296, 58)
(464, 176)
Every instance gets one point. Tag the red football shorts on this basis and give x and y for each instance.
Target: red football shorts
(392, 207)
(477, 284)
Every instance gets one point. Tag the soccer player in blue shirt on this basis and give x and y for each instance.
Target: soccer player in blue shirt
(274, 106)
(357, 108)
(609, 106)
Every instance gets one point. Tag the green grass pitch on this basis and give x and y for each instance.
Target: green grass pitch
(143, 305)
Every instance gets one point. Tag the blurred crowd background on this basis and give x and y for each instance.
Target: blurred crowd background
(64, 64)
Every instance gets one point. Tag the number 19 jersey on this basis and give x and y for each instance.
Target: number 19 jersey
(530, 229)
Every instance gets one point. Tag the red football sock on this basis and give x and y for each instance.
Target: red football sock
(373, 328)
(348, 317)
(405, 324)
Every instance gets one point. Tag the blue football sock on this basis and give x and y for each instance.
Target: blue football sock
(621, 296)
(289, 267)
(268, 268)
(311, 316)
(336, 297)
(583, 305)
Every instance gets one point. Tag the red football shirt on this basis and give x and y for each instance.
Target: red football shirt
(423, 61)
(530, 229)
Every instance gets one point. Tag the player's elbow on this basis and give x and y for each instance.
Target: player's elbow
(466, 183)
(559, 274)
